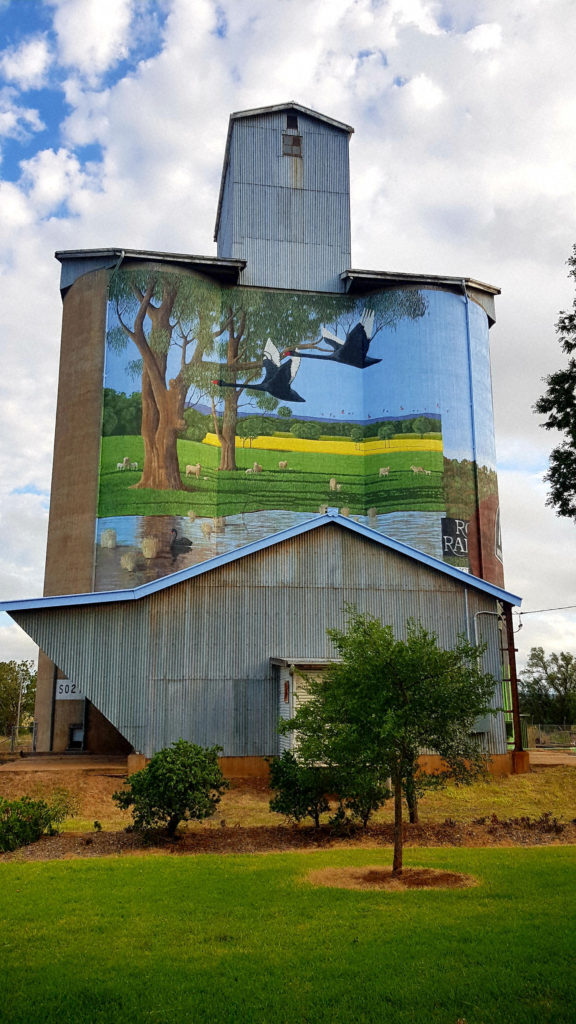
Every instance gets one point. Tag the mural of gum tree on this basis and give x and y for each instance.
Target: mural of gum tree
(188, 332)
(170, 320)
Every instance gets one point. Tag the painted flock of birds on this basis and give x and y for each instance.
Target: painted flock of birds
(278, 376)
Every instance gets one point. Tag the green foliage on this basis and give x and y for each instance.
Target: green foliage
(121, 414)
(424, 425)
(558, 405)
(364, 790)
(197, 425)
(183, 782)
(13, 675)
(308, 430)
(386, 431)
(255, 426)
(25, 820)
(385, 700)
(547, 689)
(300, 788)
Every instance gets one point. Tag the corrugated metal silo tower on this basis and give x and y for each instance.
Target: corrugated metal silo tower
(284, 201)
(290, 385)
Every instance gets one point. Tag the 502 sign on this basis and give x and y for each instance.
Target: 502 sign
(66, 689)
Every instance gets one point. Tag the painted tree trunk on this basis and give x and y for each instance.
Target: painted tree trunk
(228, 434)
(161, 420)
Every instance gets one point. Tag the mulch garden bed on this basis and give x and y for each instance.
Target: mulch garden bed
(196, 839)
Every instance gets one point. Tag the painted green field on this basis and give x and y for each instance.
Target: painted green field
(248, 939)
(303, 487)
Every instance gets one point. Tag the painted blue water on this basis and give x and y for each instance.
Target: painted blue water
(124, 565)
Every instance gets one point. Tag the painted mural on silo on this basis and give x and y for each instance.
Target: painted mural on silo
(232, 413)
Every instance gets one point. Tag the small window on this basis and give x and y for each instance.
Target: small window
(292, 122)
(291, 145)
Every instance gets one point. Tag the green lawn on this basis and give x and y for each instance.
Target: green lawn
(303, 487)
(174, 940)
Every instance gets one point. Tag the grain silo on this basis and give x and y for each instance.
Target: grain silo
(213, 409)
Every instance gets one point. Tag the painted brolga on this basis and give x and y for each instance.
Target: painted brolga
(278, 376)
(353, 351)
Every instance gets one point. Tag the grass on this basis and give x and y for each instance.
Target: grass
(301, 488)
(543, 789)
(246, 939)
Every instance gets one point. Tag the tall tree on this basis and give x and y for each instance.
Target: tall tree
(386, 700)
(558, 404)
(17, 687)
(164, 314)
(548, 687)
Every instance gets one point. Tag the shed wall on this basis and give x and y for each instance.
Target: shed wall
(194, 659)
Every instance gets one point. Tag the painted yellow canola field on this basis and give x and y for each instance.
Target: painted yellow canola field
(299, 444)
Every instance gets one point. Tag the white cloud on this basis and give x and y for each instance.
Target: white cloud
(93, 35)
(28, 64)
(425, 94)
(17, 121)
(540, 563)
(484, 37)
(51, 179)
(15, 644)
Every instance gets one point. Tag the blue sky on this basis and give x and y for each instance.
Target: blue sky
(113, 120)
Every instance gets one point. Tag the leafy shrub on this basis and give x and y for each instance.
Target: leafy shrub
(183, 782)
(300, 789)
(63, 804)
(24, 821)
(364, 791)
(305, 429)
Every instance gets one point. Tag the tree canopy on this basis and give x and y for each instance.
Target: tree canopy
(387, 699)
(13, 675)
(547, 688)
(558, 404)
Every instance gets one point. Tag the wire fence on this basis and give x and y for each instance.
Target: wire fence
(552, 736)
(13, 743)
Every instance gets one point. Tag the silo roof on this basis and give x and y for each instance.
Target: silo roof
(76, 262)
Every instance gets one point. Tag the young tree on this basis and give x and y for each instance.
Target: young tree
(386, 699)
(183, 782)
(558, 404)
(17, 690)
(548, 687)
(300, 788)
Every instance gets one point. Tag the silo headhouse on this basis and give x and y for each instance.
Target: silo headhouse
(246, 443)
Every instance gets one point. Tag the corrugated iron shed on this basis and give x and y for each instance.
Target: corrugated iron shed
(192, 655)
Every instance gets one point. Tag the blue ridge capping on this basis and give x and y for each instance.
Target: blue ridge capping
(332, 515)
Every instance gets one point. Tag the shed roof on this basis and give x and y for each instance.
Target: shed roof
(331, 516)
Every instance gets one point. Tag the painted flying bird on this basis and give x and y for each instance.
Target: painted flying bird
(278, 376)
(353, 351)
